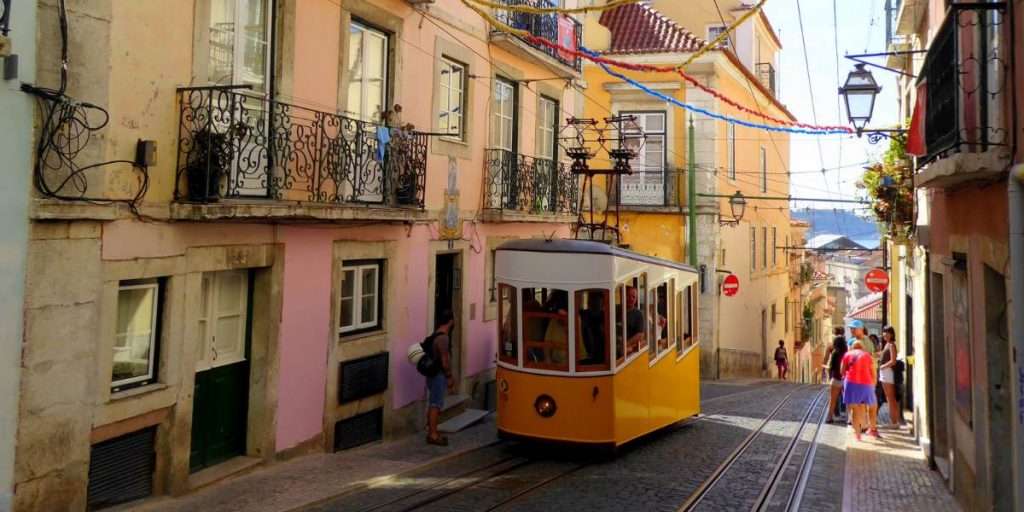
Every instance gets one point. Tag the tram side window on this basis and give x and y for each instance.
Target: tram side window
(633, 310)
(508, 339)
(620, 327)
(546, 329)
(688, 317)
(677, 333)
(592, 330)
(661, 309)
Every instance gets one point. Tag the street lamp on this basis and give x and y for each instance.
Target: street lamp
(859, 94)
(738, 205)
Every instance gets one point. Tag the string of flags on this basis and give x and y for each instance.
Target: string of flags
(786, 125)
(552, 10)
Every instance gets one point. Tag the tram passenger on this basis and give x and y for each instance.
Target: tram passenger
(592, 326)
(635, 323)
(662, 317)
(533, 325)
(557, 331)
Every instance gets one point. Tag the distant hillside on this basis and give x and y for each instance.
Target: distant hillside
(839, 222)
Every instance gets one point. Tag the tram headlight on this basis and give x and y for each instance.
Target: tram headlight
(545, 406)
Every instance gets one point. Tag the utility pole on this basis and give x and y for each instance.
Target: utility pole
(691, 202)
(888, 271)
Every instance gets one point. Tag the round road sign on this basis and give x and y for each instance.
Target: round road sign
(877, 280)
(731, 285)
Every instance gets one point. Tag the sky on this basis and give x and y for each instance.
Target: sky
(812, 88)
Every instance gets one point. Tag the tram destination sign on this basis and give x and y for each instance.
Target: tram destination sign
(731, 285)
(877, 280)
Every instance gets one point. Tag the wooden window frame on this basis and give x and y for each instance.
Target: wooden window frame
(369, 29)
(448, 88)
(156, 321)
(358, 327)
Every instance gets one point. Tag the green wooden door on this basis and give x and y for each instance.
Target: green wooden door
(220, 402)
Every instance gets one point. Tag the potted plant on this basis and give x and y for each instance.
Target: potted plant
(889, 190)
(208, 161)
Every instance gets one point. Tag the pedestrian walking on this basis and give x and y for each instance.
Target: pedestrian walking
(782, 360)
(858, 369)
(438, 345)
(833, 362)
(887, 375)
(859, 333)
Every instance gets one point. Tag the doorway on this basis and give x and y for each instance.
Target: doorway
(220, 402)
(1000, 405)
(448, 296)
(938, 372)
(764, 343)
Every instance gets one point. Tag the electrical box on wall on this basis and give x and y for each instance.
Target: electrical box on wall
(145, 153)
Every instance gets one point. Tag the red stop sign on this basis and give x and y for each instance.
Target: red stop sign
(731, 285)
(877, 280)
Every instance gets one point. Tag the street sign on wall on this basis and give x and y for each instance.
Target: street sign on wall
(731, 285)
(877, 280)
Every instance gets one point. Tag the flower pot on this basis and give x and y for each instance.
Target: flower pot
(203, 183)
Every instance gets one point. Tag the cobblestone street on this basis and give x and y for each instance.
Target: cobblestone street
(758, 445)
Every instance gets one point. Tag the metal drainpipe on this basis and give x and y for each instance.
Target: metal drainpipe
(1015, 190)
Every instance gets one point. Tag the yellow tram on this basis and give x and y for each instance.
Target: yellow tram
(569, 367)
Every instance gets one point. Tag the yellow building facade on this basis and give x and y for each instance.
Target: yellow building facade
(739, 334)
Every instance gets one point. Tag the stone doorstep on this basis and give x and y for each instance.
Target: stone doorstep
(454, 405)
(467, 418)
(236, 466)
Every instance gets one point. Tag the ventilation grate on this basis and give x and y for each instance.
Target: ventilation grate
(363, 377)
(359, 430)
(121, 469)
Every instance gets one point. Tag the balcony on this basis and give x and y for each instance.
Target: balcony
(520, 187)
(251, 151)
(766, 75)
(650, 189)
(556, 28)
(964, 82)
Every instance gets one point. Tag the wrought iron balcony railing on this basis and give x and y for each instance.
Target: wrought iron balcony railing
(233, 144)
(965, 79)
(766, 75)
(524, 184)
(649, 187)
(557, 28)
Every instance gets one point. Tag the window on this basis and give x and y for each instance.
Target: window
(592, 330)
(661, 318)
(730, 134)
(546, 329)
(687, 302)
(361, 296)
(367, 72)
(503, 115)
(764, 247)
(547, 128)
(774, 313)
(786, 320)
(223, 307)
(451, 93)
(716, 30)
(508, 322)
(775, 249)
(646, 186)
(753, 248)
(632, 317)
(764, 171)
(136, 334)
(239, 43)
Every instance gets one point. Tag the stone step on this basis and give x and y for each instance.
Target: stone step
(454, 405)
(467, 418)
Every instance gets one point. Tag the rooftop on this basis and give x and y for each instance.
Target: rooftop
(637, 28)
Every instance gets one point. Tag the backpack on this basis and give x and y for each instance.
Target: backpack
(429, 364)
(897, 372)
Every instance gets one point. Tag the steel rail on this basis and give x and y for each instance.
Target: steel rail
(768, 491)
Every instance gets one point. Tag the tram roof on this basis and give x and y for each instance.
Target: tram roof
(561, 245)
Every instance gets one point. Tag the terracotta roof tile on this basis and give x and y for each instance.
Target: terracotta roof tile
(637, 28)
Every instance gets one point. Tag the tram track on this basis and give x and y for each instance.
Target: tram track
(516, 469)
(697, 499)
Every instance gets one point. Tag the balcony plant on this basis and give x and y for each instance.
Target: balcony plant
(888, 188)
(209, 159)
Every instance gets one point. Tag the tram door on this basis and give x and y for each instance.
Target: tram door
(448, 295)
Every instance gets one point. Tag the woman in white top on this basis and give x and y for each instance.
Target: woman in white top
(887, 374)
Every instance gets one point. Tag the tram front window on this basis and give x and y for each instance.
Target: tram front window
(591, 330)
(546, 328)
(508, 337)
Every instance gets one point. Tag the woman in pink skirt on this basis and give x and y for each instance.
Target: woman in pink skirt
(858, 369)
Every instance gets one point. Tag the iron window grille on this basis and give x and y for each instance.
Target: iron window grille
(552, 27)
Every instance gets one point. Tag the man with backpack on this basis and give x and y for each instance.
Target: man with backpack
(439, 377)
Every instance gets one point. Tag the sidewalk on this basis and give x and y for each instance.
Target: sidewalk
(313, 478)
(891, 474)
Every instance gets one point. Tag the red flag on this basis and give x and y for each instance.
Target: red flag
(566, 37)
(916, 144)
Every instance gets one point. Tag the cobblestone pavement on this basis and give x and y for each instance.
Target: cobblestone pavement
(656, 473)
(891, 474)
